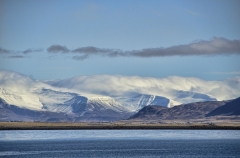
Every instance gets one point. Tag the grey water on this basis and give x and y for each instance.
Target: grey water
(120, 143)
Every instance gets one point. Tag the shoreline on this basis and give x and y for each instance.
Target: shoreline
(112, 126)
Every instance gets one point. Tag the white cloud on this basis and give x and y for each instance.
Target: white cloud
(119, 85)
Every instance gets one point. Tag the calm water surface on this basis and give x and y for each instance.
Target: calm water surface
(120, 143)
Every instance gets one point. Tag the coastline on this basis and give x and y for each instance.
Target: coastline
(113, 126)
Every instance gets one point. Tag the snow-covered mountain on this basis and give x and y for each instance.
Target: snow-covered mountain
(105, 97)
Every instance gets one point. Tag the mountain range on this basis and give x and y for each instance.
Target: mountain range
(104, 97)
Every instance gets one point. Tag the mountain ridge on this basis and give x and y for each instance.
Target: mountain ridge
(191, 111)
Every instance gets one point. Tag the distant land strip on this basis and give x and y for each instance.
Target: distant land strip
(111, 126)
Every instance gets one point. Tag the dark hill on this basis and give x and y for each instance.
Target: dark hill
(148, 111)
(230, 108)
(182, 112)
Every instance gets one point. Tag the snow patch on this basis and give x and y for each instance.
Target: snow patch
(24, 99)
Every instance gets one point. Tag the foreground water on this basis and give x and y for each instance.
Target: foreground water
(120, 143)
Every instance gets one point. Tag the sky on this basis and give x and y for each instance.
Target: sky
(57, 39)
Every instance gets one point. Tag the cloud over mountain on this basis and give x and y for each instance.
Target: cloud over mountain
(176, 88)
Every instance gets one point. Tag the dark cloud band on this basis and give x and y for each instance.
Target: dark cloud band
(57, 49)
(31, 51)
(215, 46)
(4, 51)
(17, 54)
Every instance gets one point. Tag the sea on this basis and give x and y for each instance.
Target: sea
(120, 143)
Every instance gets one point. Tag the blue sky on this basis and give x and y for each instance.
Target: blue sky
(56, 39)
